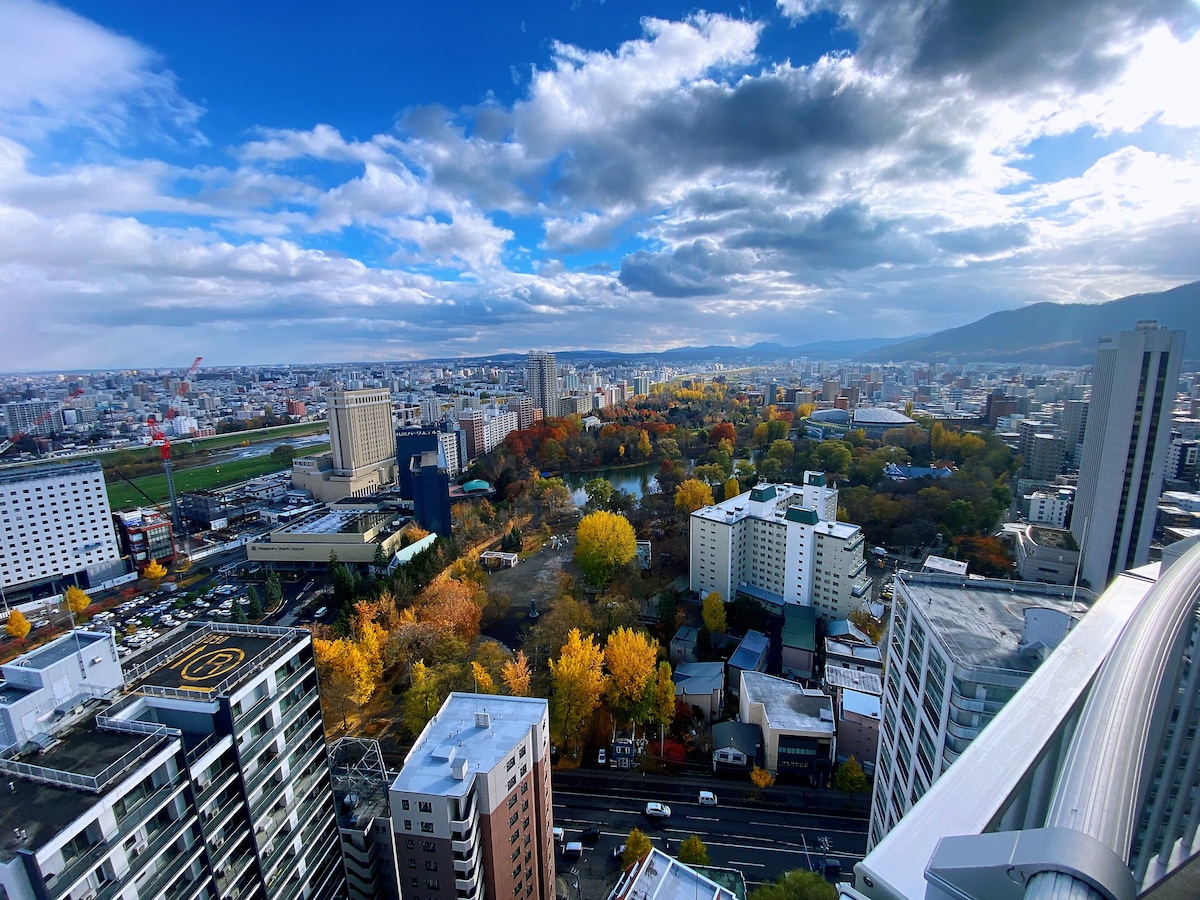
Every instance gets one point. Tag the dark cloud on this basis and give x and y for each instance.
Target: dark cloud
(698, 269)
(984, 240)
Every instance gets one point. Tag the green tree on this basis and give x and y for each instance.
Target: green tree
(283, 454)
(274, 590)
(712, 612)
(798, 884)
(637, 845)
(784, 451)
(959, 517)
(851, 777)
(238, 613)
(598, 491)
(423, 699)
(692, 851)
(253, 605)
(770, 471)
(604, 541)
(834, 457)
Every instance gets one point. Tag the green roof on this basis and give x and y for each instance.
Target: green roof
(801, 515)
(799, 627)
(477, 485)
(816, 479)
(763, 494)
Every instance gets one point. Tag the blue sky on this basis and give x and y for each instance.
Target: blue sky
(298, 182)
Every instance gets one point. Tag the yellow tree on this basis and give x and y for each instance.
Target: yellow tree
(77, 599)
(630, 658)
(516, 676)
(604, 542)
(483, 679)
(335, 676)
(578, 682)
(712, 611)
(17, 626)
(732, 488)
(761, 778)
(637, 845)
(693, 494)
(662, 712)
(424, 698)
(692, 851)
(154, 571)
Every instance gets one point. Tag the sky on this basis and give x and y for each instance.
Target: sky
(360, 181)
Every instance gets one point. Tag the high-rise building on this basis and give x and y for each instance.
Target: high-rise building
(1125, 449)
(21, 417)
(55, 528)
(541, 382)
(360, 790)
(362, 441)
(958, 651)
(472, 808)
(431, 491)
(200, 773)
(1074, 423)
(781, 543)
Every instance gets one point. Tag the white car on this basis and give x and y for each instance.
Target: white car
(708, 798)
(658, 810)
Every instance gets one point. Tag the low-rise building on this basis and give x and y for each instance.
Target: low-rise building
(799, 734)
(354, 534)
(1046, 554)
(751, 655)
(701, 685)
(857, 697)
(799, 638)
(737, 747)
(661, 877)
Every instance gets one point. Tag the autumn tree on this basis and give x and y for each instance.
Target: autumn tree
(732, 488)
(423, 699)
(851, 777)
(344, 676)
(637, 846)
(712, 612)
(578, 682)
(77, 599)
(630, 657)
(761, 778)
(798, 884)
(692, 495)
(692, 851)
(450, 605)
(515, 675)
(17, 626)
(483, 679)
(603, 542)
(154, 571)
(662, 709)
(722, 431)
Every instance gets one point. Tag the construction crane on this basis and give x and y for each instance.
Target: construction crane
(159, 439)
(40, 420)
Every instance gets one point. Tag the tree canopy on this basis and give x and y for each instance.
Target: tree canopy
(630, 658)
(693, 494)
(798, 884)
(17, 626)
(578, 682)
(603, 542)
(712, 612)
(77, 599)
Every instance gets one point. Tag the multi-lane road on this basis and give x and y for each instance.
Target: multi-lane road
(763, 840)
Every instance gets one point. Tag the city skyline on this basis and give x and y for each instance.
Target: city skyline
(354, 185)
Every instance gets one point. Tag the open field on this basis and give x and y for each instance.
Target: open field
(122, 496)
(220, 441)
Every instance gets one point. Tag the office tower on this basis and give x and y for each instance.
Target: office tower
(431, 491)
(1125, 449)
(472, 808)
(957, 652)
(1045, 461)
(202, 775)
(360, 791)
(1074, 423)
(361, 435)
(56, 528)
(781, 543)
(541, 382)
(412, 442)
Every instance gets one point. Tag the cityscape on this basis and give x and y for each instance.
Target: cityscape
(558, 453)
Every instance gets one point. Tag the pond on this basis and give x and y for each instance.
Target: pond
(635, 480)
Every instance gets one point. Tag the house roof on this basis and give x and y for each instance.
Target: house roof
(740, 735)
(788, 706)
(799, 627)
(699, 677)
(753, 647)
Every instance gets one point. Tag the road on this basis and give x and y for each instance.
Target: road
(762, 839)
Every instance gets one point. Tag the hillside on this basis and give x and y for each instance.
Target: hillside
(1050, 333)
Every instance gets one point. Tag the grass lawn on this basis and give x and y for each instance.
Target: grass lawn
(121, 494)
(223, 441)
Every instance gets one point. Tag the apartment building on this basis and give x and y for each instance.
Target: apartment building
(56, 528)
(541, 382)
(471, 808)
(781, 544)
(200, 775)
(959, 650)
(360, 788)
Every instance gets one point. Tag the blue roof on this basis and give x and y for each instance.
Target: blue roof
(754, 646)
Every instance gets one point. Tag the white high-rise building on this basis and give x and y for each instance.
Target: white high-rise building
(781, 543)
(1125, 449)
(541, 382)
(55, 528)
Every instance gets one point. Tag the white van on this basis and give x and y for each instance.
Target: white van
(708, 798)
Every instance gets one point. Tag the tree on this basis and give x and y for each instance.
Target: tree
(344, 676)
(515, 675)
(253, 605)
(154, 571)
(423, 699)
(761, 778)
(834, 457)
(637, 846)
(722, 431)
(283, 454)
(692, 495)
(798, 884)
(662, 711)
(578, 682)
(603, 542)
(692, 851)
(782, 450)
(598, 491)
(77, 599)
(483, 679)
(274, 590)
(851, 777)
(238, 613)
(17, 626)
(959, 517)
(712, 612)
(732, 488)
(630, 659)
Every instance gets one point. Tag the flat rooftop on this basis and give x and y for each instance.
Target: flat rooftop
(980, 622)
(350, 521)
(787, 705)
(854, 680)
(207, 655)
(57, 650)
(659, 877)
(453, 735)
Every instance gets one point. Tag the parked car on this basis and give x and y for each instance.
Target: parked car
(602, 757)
(558, 834)
(708, 798)
(590, 835)
(618, 851)
(572, 850)
(655, 810)
(320, 612)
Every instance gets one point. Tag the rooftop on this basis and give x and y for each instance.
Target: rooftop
(854, 680)
(44, 472)
(454, 735)
(787, 705)
(752, 647)
(59, 649)
(210, 656)
(980, 621)
(659, 877)
(339, 522)
(877, 415)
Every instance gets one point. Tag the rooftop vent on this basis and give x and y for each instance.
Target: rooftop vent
(458, 769)
(483, 719)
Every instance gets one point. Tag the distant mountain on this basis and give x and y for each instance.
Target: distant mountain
(1056, 334)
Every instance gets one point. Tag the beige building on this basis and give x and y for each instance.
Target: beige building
(362, 457)
(353, 534)
(799, 735)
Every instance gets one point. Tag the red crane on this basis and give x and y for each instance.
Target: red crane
(40, 420)
(173, 410)
(159, 439)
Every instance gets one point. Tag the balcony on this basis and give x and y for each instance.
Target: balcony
(468, 885)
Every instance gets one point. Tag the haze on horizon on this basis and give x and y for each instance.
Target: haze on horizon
(316, 183)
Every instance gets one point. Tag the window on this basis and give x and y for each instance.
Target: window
(516, 836)
(431, 865)
(512, 801)
(512, 820)
(427, 827)
(433, 884)
(512, 782)
(408, 824)
(404, 804)
(428, 846)
(522, 752)
(412, 863)
(409, 844)
(512, 761)
(424, 806)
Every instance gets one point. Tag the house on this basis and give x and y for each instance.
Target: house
(683, 645)
(856, 698)
(737, 747)
(701, 685)
(750, 656)
(852, 655)
(799, 639)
